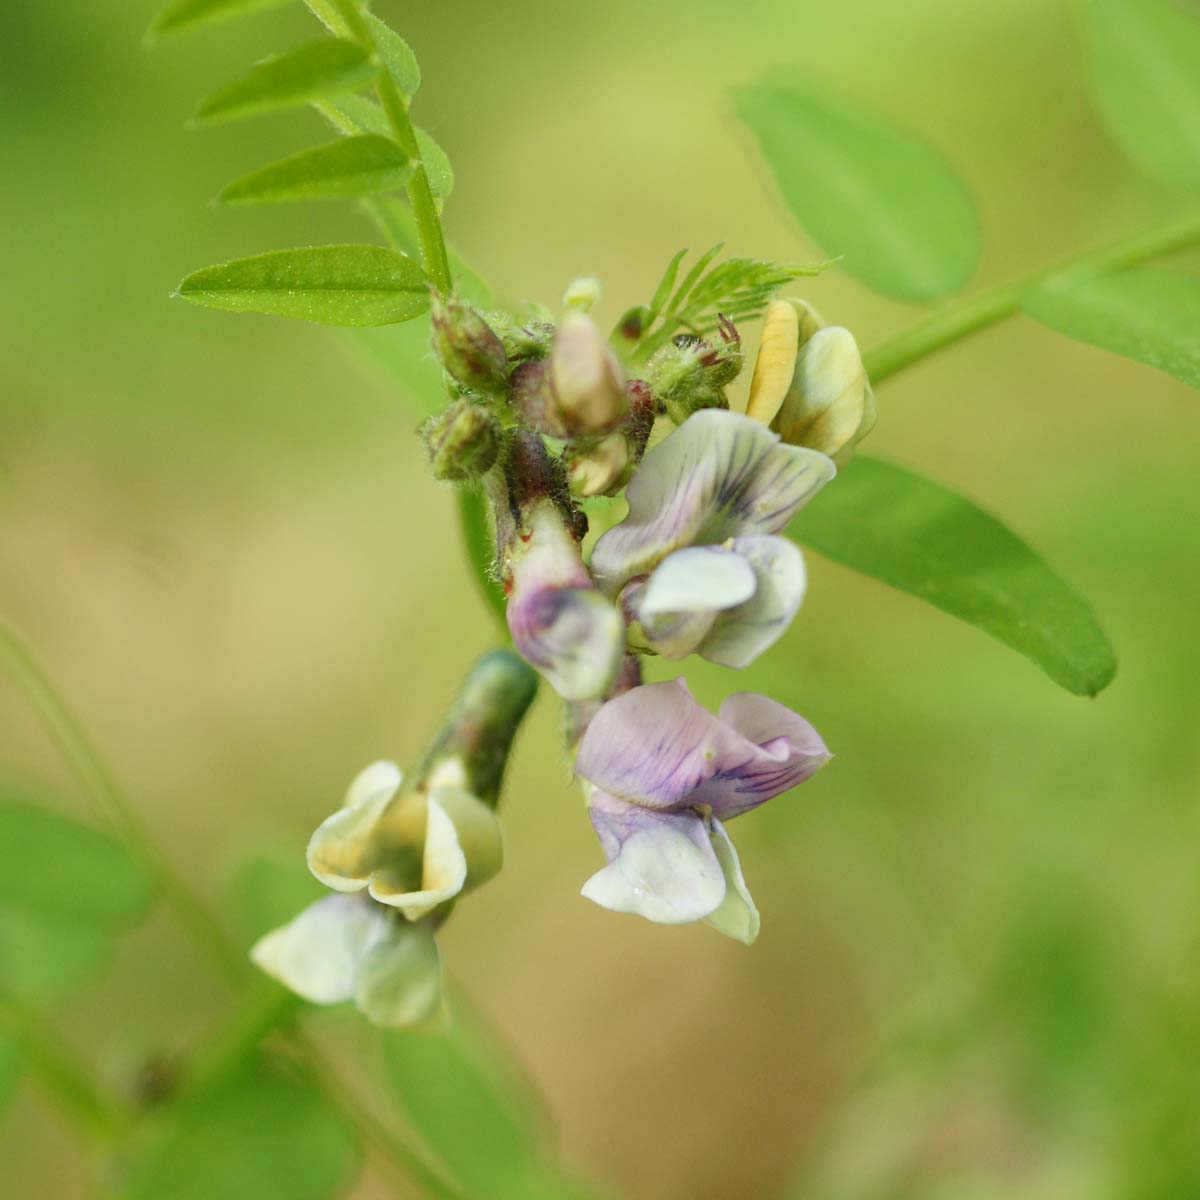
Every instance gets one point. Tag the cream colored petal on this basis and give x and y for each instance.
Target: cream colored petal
(443, 876)
(318, 954)
(478, 829)
(399, 983)
(344, 850)
(776, 359)
(370, 782)
(736, 916)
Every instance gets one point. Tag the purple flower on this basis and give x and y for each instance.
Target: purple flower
(697, 563)
(662, 774)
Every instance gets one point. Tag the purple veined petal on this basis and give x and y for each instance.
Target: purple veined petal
(318, 953)
(560, 624)
(399, 983)
(655, 745)
(719, 475)
(574, 637)
(736, 916)
(739, 635)
(777, 749)
(662, 865)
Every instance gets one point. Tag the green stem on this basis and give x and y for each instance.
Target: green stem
(64, 1074)
(958, 321)
(68, 733)
(420, 194)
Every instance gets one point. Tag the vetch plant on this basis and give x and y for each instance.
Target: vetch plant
(547, 422)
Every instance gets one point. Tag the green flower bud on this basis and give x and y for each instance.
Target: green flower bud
(581, 293)
(468, 346)
(691, 372)
(462, 441)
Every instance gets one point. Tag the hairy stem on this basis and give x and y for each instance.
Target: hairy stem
(68, 733)
(958, 321)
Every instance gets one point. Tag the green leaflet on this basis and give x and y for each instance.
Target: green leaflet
(66, 892)
(920, 537)
(354, 166)
(265, 1134)
(60, 870)
(10, 1068)
(189, 14)
(878, 197)
(329, 285)
(326, 67)
(1145, 60)
(1149, 315)
(357, 114)
(397, 55)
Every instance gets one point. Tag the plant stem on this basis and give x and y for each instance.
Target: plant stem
(64, 1074)
(68, 733)
(395, 107)
(956, 322)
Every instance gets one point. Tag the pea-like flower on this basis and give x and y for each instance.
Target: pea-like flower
(697, 563)
(398, 857)
(662, 775)
(809, 383)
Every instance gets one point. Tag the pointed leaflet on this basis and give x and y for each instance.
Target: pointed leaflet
(189, 14)
(922, 538)
(324, 68)
(881, 199)
(1145, 59)
(329, 285)
(1149, 315)
(354, 166)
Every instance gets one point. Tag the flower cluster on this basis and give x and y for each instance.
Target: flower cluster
(697, 566)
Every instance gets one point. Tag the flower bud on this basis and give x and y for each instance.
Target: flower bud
(578, 391)
(587, 380)
(691, 372)
(581, 293)
(600, 469)
(462, 441)
(829, 406)
(468, 346)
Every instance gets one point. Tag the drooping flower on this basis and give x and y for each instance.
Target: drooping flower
(561, 625)
(399, 857)
(697, 563)
(662, 774)
(809, 382)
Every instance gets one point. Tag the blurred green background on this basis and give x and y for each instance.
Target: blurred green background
(979, 973)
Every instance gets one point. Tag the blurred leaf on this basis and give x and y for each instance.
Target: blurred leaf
(267, 890)
(397, 55)
(437, 165)
(354, 166)
(924, 539)
(873, 194)
(1149, 315)
(461, 1098)
(265, 1134)
(330, 285)
(188, 14)
(10, 1068)
(45, 960)
(62, 871)
(662, 293)
(323, 68)
(1145, 57)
